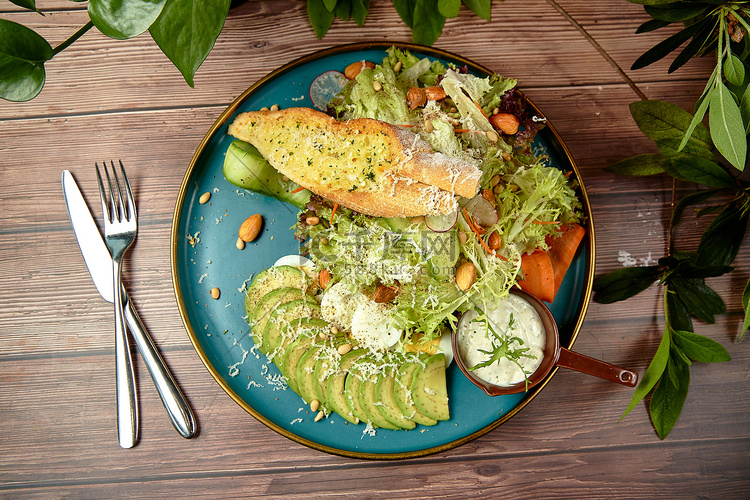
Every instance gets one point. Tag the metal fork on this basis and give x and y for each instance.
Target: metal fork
(120, 227)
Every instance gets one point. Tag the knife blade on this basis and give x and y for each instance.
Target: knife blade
(99, 263)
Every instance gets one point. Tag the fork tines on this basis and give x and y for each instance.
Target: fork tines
(116, 210)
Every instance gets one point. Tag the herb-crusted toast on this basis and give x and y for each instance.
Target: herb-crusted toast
(367, 165)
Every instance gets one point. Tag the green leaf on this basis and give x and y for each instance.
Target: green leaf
(624, 283)
(405, 9)
(186, 32)
(449, 8)
(320, 17)
(27, 4)
(677, 11)
(671, 147)
(697, 45)
(734, 70)
(123, 19)
(691, 199)
(22, 56)
(651, 25)
(428, 22)
(727, 130)
(679, 316)
(653, 373)
(699, 298)
(695, 121)
(639, 165)
(482, 8)
(702, 171)
(707, 272)
(745, 109)
(700, 348)
(343, 9)
(663, 48)
(359, 11)
(330, 5)
(746, 308)
(662, 120)
(668, 398)
(723, 238)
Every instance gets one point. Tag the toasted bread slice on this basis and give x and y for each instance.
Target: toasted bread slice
(367, 165)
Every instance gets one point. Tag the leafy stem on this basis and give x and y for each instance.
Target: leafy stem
(75, 36)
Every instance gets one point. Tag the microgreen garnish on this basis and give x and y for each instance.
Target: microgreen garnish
(502, 346)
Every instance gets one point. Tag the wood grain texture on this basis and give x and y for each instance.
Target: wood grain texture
(110, 99)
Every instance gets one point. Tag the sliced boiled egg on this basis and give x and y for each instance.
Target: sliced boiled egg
(339, 303)
(297, 261)
(372, 327)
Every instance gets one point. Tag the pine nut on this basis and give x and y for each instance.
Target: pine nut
(377, 86)
(275, 107)
(204, 198)
(240, 244)
(215, 293)
(492, 136)
(319, 416)
(312, 220)
(344, 348)
(397, 66)
(428, 126)
(314, 405)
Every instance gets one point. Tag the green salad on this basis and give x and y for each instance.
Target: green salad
(522, 206)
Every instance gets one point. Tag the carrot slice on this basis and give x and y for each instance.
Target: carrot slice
(333, 212)
(563, 249)
(297, 190)
(538, 275)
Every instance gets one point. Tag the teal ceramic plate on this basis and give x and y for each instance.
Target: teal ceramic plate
(204, 256)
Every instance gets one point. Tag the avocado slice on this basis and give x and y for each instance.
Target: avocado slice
(429, 390)
(351, 389)
(336, 384)
(384, 394)
(265, 306)
(402, 390)
(370, 403)
(306, 371)
(282, 316)
(290, 332)
(270, 279)
(298, 339)
(327, 364)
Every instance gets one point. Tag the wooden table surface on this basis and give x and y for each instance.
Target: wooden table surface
(123, 99)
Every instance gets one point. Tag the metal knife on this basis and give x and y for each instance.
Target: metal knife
(99, 263)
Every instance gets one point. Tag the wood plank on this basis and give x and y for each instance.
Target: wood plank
(82, 80)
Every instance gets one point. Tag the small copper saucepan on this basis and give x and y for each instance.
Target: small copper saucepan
(554, 355)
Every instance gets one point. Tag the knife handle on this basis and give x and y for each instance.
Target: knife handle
(177, 407)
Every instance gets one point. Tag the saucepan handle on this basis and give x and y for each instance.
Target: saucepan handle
(597, 368)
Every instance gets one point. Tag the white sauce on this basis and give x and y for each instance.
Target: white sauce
(528, 326)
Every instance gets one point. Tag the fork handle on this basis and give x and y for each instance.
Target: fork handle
(127, 411)
(174, 402)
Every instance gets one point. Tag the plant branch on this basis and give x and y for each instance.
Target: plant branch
(599, 48)
(78, 34)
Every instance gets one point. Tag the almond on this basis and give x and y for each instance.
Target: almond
(355, 68)
(494, 241)
(324, 278)
(505, 122)
(250, 228)
(384, 294)
(465, 276)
